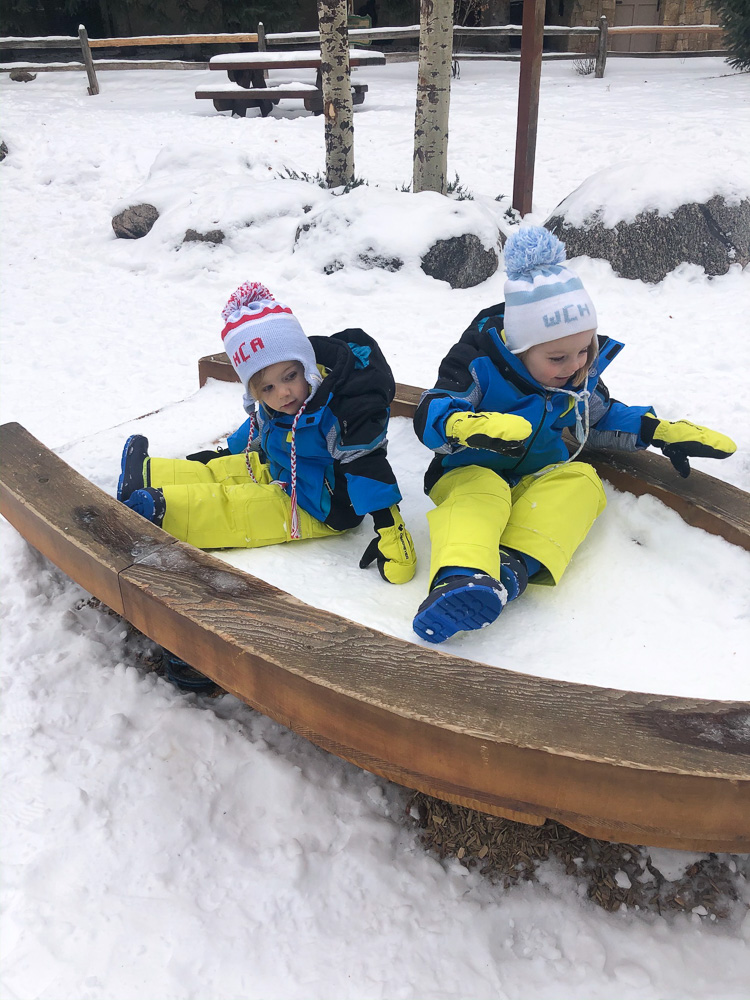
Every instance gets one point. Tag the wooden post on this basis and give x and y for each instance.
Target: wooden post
(88, 62)
(532, 38)
(433, 96)
(601, 48)
(262, 44)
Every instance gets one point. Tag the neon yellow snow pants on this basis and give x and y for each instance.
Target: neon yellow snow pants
(218, 506)
(545, 515)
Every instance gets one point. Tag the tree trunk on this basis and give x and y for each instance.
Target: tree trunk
(433, 95)
(337, 92)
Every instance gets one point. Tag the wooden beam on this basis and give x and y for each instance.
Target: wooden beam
(601, 49)
(528, 104)
(220, 39)
(624, 766)
(88, 62)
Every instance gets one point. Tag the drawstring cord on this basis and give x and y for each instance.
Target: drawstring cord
(250, 435)
(582, 422)
(277, 482)
(295, 514)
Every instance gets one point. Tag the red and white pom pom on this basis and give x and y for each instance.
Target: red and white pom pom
(251, 291)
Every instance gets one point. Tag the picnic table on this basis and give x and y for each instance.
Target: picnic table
(248, 88)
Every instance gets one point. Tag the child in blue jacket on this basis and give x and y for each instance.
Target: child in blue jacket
(511, 503)
(309, 462)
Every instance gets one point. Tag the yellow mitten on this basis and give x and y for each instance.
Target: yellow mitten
(392, 547)
(679, 439)
(500, 432)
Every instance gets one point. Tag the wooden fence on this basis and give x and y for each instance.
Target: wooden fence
(261, 39)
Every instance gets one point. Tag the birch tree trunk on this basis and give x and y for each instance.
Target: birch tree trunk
(337, 92)
(433, 95)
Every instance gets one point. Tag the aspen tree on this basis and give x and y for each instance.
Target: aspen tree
(337, 92)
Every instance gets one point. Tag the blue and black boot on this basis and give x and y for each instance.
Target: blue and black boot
(463, 599)
(134, 454)
(149, 503)
(185, 677)
(459, 603)
(514, 572)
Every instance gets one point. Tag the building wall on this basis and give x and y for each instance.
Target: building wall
(673, 12)
(689, 12)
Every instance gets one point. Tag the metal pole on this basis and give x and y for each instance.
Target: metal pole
(532, 37)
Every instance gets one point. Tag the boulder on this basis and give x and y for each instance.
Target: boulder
(3, 150)
(714, 234)
(462, 261)
(213, 236)
(134, 222)
(455, 241)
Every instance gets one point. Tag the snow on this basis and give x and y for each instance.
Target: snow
(162, 845)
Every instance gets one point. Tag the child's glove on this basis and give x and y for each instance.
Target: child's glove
(679, 438)
(500, 432)
(208, 456)
(392, 547)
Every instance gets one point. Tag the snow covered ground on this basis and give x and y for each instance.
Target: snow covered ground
(165, 846)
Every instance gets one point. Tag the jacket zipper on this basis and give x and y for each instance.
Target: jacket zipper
(534, 435)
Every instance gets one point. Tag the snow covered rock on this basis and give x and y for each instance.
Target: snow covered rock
(3, 150)
(647, 219)
(134, 222)
(454, 241)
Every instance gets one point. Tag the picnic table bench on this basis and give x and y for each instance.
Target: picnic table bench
(247, 87)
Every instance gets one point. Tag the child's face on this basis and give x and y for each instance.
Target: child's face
(557, 361)
(282, 387)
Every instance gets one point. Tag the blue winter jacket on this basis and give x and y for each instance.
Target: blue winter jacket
(479, 373)
(343, 471)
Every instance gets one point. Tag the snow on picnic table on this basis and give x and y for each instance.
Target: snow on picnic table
(161, 845)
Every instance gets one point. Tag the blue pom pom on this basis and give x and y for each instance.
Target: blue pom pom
(530, 248)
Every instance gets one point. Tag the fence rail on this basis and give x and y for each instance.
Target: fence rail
(259, 37)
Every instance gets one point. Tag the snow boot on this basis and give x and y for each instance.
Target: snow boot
(149, 503)
(185, 677)
(459, 604)
(514, 574)
(134, 454)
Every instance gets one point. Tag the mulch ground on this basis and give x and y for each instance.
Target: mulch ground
(615, 875)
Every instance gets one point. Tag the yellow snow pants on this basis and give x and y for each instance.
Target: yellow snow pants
(218, 506)
(545, 515)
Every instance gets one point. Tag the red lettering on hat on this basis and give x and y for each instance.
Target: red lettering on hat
(257, 344)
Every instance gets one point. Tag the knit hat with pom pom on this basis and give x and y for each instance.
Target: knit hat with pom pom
(260, 331)
(543, 300)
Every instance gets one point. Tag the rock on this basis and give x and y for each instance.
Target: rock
(714, 235)
(214, 236)
(462, 261)
(22, 76)
(3, 150)
(370, 259)
(134, 222)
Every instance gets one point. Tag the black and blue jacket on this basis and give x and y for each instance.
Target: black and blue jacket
(343, 471)
(479, 373)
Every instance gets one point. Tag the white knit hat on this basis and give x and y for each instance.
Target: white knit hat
(260, 331)
(543, 301)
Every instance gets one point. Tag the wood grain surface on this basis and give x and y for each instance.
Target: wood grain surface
(612, 764)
